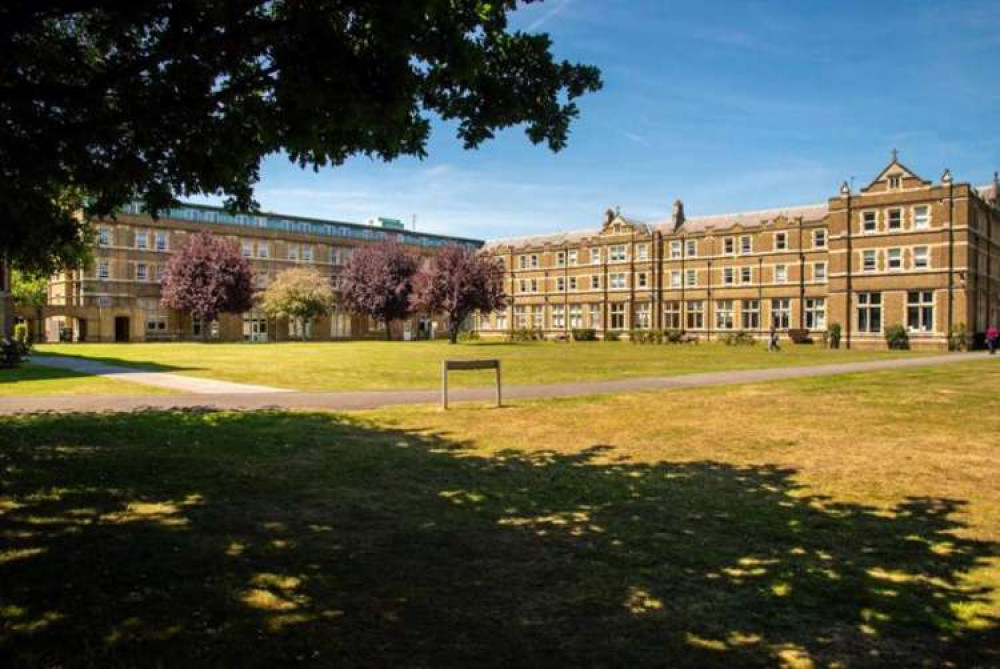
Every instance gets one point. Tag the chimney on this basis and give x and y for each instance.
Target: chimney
(678, 216)
(996, 189)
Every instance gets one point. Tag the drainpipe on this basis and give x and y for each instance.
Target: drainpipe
(709, 311)
(760, 296)
(946, 178)
(802, 281)
(565, 289)
(845, 192)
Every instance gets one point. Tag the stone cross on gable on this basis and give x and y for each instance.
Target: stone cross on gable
(895, 155)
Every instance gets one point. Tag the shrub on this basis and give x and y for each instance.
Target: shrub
(897, 338)
(612, 335)
(471, 335)
(832, 335)
(740, 338)
(12, 353)
(21, 333)
(800, 336)
(584, 334)
(640, 336)
(673, 336)
(526, 334)
(958, 338)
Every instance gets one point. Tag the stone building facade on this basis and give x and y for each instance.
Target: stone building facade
(6, 300)
(903, 250)
(118, 297)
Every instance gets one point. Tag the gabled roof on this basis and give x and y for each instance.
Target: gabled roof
(893, 168)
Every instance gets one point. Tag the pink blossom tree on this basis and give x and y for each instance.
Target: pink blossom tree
(377, 282)
(207, 276)
(458, 282)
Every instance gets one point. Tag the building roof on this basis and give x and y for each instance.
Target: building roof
(693, 224)
(988, 192)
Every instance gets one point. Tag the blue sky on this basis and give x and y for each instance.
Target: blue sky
(729, 106)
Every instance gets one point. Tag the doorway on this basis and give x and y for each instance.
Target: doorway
(121, 328)
(81, 329)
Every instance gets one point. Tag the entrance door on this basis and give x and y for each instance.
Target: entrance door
(121, 328)
(81, 329)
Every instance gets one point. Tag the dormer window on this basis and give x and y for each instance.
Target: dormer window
(896, 181)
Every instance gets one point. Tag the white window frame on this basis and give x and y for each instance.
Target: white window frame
(921, 257)
(819, 272)
(819, 238)
(781, 273)
(869, 310)
(781, 241)
(894, 259)
(920, 303)
(866, 255)
(921, 217)
(865, 221)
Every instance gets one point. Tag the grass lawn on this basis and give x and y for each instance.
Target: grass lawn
(391, 365)
(838, 521)
(32, 379)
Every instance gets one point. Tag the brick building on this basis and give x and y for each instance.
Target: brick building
(118, 297)
(903, 250)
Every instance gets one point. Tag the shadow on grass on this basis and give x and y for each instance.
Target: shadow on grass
(85, 364)
(198, 538)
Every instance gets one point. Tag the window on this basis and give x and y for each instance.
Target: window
(728, 275)
(921, 217)
(746, 274)
(920, 311)
(780, 273)
(142, 240)
(692, 277)
(894, 259)
(263, 250)
(561, 259)
(895, 219)
(575, 316)
(155, 323)
(617, 316)
(819, 272)
(533, 285)
(104, 237)
(537, 317)
(819, 239)
(307, 254)
(676, 250)
(672, 315)
(751, 314)
(520, 317)
(675, 278)
(247, 248)
(160, 270)
(558, 317)
(895, 181)
(617, 253)
(724, 315)
(160, 241)
(642, 321)
(595, 256)
(921, 257)
(103, 270)
(746, 244)
(695, 315)
(595, 282)
(141, 271)
(780, 241)
(560, 284)
(573, 257)
(869, 221)
(596, 321)
(729, 246)
(502, 319)
(642, 280)
(522, 262)
(293, 252)
(870, 312)
(616, 281)
(868, 260)
(781, 313)
(692, 248)
(642, 251)
(815, 313)
(533, 261)
(572, 283)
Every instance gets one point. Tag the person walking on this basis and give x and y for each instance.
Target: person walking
(992, 335)
(772, 340)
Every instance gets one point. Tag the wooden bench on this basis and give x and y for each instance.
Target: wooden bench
(458, 365)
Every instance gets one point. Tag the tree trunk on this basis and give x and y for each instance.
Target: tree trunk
(388, 330)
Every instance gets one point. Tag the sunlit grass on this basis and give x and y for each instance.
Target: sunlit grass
(387, 365)
(31, 379)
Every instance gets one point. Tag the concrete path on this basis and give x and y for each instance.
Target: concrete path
(372, 399)
(185, 384)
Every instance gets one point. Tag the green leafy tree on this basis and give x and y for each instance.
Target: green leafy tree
(301, 294)
(28, 290)
(156, 99)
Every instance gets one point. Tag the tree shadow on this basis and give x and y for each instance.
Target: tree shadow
(126, 366)
(183, 538)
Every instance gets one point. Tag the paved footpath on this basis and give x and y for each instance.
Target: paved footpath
(185, 384)
(373, 399)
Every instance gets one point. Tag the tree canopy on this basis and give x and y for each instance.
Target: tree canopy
(459, 282)
(299, 293)
(207, 276)
(104, 103)
(378, 281)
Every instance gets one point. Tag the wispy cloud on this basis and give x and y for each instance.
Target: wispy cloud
(555, 10)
